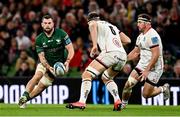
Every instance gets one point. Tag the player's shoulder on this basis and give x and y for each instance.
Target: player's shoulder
(93, 23)
(153, 32)
(102, 22)
(59, 30)
(140, 36)
(153, 36)
(40, 36)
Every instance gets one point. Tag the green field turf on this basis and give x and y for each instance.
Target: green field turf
(91, 110)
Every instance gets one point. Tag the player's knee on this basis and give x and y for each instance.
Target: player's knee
(37, 77)
(127, 88)
(131, 82)
(106, 76)
(86, 75)
(90, 72)
(45, 81)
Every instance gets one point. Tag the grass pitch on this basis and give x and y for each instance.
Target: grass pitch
(91, 110)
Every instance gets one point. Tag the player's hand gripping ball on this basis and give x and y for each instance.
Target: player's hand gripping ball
(59, 69)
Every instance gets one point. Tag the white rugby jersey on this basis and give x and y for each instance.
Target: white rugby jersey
(145, 43)
(108, 38)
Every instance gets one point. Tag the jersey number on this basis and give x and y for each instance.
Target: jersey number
(112, 30)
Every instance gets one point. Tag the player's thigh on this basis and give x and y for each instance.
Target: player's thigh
(97, 65)
(151, 81)
(112, 73)
(40, 68)
(134, 74)
(148, 89)
(37, 76)
(40, 71)
(109, 74)
(94, 69)
(154, 76)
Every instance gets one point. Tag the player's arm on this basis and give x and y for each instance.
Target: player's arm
(124, 38)
(70, 49)
(134, 53)
(93, 33)
(43, 60)
(41, 54)
(154, 58)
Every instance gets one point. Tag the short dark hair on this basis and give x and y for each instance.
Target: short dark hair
(93, 16)
(144, 17)
(47, 16)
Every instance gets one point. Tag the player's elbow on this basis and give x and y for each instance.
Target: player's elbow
(128, 40)
(125, 39)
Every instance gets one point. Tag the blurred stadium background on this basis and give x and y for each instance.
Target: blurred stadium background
(20, 24)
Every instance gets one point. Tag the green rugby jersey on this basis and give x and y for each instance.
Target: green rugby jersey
(54, 46)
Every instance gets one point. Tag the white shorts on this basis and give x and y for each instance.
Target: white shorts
(116, 59)
(44, 71)
(41, 68)
(154, 75)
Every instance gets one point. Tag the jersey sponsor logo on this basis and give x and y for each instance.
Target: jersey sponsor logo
(116, 42)
(144, 39)
(54, 49)
(58, 41)
(118, 58)
(44, 45)
(50, 40)
(154, 40)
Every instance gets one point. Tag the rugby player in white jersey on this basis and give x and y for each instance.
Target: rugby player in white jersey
(150, 65)
(110, 60)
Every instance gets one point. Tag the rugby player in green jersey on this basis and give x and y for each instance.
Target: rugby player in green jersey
(52, 45)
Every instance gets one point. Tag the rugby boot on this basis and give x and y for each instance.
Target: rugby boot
(74, 105)
(24, 105)
(117, 105)
(123, 106)
(22, 101)
(166, 92)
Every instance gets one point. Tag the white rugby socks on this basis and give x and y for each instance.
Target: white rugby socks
(162, 89)
(85, 89)
(113, 89)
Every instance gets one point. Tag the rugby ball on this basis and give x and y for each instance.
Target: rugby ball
(59, 69)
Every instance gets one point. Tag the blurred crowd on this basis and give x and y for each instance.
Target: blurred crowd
(20, 23)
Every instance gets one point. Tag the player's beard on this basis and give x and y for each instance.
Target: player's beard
(48, 31)
(141, 30)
